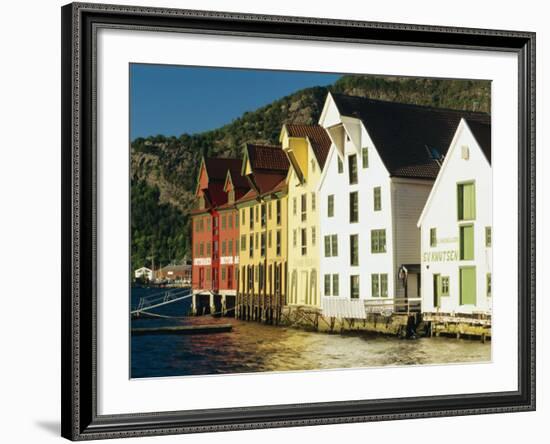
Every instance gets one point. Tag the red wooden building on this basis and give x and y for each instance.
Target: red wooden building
(215, 235)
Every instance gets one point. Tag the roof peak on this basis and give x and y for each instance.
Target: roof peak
(409, 105)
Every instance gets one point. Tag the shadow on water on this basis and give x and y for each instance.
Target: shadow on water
(253, 347)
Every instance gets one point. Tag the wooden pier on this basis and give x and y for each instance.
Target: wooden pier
(183, 330)
(260, 307)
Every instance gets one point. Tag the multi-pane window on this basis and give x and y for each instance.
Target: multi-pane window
(365, 157)
(444, 285)
(466, 242)
(375, 285)
(331, 245)
(327, 285)
(224, 248)
(230, 247)
(243, 216)
(269, 239)
(352, 168)
(354, 207)
(278, 211)
(335, 285)
(257, 213)
(251, 246)
(263, 215)
(488, 237)
(294, 238)
(243, 242)
(208, 248)
(466, 201)
(262, 242)
(230, 220)
(294, 205)
(224, 222)
(251, 217)
(304, 241)
(378, 241)
(313, 235)
(237, 247)
(313, 201)
(354, 286)
(330, 205)
(489, 285)
(304, 207)
(223, 273)
(269, 210)
(340, 166)
(278, 242)
(433, 237)
(201, 249)
(377, 198)
(257, 241)
(384, 285)
(354, 249)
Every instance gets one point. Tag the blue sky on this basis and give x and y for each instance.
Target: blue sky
(173, 100)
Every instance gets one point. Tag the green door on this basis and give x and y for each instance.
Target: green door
(437, 290)
(467, 242)
(468, 286)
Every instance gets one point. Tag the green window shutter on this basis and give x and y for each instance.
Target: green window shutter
(384, 285)
(327, 246)
(377, 199)
(375, 285)
(335, 285)
(327, 284)
(468, 286)
(433, 237)
(467, 242)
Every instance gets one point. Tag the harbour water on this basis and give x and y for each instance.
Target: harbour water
(254, 347)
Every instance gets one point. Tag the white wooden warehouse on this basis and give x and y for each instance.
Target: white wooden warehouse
(456, 227)
(380, 169)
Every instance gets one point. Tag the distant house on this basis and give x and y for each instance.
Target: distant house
(456, 228)
(175, 273)
(215, 225)
(378, 175)
(144, 273)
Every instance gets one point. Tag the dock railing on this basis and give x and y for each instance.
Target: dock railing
(395, 305)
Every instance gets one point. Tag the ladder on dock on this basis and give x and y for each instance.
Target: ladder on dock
(147, 303)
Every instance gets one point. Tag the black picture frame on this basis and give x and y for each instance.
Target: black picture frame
(79, 396)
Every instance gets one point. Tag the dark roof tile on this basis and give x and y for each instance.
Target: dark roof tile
(318, 137)
(406, 136)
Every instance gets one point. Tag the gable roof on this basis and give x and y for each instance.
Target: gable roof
(484, 133)
(318, 138)
(268, 158)
(406, 135)
(216, 172)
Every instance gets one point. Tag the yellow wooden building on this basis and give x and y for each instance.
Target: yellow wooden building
(306, 147)
(263, 218)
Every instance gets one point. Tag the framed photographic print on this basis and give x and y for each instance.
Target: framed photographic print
(279, 221)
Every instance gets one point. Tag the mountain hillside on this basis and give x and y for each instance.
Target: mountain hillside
(164, 168)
